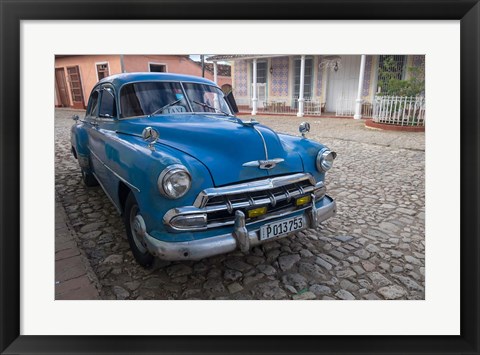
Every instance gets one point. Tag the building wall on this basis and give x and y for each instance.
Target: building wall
(88, 70)
(174, 64)
(133, 63)
(280, 84)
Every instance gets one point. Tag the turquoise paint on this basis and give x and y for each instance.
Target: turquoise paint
(212, 147)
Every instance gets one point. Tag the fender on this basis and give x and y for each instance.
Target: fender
(79, 141)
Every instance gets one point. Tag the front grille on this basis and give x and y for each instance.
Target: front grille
(277, 194)
(221, 208)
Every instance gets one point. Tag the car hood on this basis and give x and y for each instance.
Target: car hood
(222, 144)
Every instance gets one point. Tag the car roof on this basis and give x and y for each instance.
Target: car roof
(118, 80)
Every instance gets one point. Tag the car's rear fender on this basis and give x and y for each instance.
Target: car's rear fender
(79, 142)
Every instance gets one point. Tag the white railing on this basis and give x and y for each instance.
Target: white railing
(399, 110)
(345, 107)
(311, 106)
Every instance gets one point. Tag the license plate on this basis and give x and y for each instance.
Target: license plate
(279, 228)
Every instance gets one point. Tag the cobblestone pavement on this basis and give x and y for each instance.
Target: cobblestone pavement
(374, 248)
(74, 278)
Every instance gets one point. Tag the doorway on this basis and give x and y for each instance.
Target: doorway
(342, 85)
(62, 87)
(76, 87)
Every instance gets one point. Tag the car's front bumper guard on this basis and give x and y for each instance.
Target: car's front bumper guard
(240, 238)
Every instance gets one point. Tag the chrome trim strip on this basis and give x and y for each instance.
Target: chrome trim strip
(119, 210)
(220, 244)
(273, 200)
(229, 204)
(257, 185)
(287, 193)
(302, 191)
(114, 173)
(263, 140)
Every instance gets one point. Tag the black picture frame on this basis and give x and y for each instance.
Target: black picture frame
(13, 12)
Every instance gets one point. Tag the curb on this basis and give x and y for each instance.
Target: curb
(390, 127)
(74, 277)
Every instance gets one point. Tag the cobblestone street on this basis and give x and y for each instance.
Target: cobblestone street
(374, 248)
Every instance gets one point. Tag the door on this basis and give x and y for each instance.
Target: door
(102, 114)
(261, 83)
(76, 87)
(342, 85)
(261, 94)
(62, 87)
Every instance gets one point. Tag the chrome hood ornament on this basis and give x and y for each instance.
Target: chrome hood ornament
(264, 164)
(250, 123)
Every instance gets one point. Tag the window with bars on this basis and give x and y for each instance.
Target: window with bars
(390, 67)
(102, 70)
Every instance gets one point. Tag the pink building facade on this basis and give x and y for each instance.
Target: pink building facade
(76, 75)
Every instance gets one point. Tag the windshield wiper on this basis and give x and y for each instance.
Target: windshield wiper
(204, 105)
(164, 107)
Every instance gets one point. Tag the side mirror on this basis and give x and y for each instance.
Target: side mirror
(304, 128)
(151, 136)
(75, 118)
(231, 102)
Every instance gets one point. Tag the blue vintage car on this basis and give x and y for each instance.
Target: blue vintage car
(190, 179)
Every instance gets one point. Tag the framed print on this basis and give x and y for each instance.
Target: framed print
(292, 177)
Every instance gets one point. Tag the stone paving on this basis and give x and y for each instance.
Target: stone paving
(74, 278)
(374, 248)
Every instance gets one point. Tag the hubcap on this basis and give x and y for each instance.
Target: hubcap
(137, 228)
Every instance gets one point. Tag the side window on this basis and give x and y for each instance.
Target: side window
(92, 110)
(107, 104)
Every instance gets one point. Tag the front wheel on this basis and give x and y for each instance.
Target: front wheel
(134, 232)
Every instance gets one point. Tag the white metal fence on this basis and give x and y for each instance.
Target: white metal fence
(311, 106)
(399, 110)
(345, 107)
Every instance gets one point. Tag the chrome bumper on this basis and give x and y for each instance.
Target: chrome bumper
(240, 238)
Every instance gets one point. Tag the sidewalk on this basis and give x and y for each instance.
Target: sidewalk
(73, 280)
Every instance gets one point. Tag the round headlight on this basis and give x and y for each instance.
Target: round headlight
(325, 158)
(174, 181)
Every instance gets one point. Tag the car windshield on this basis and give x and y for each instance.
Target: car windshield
(206, 98)
(151, 98)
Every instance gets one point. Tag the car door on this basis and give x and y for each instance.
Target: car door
(91, 116)
(100, 136)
